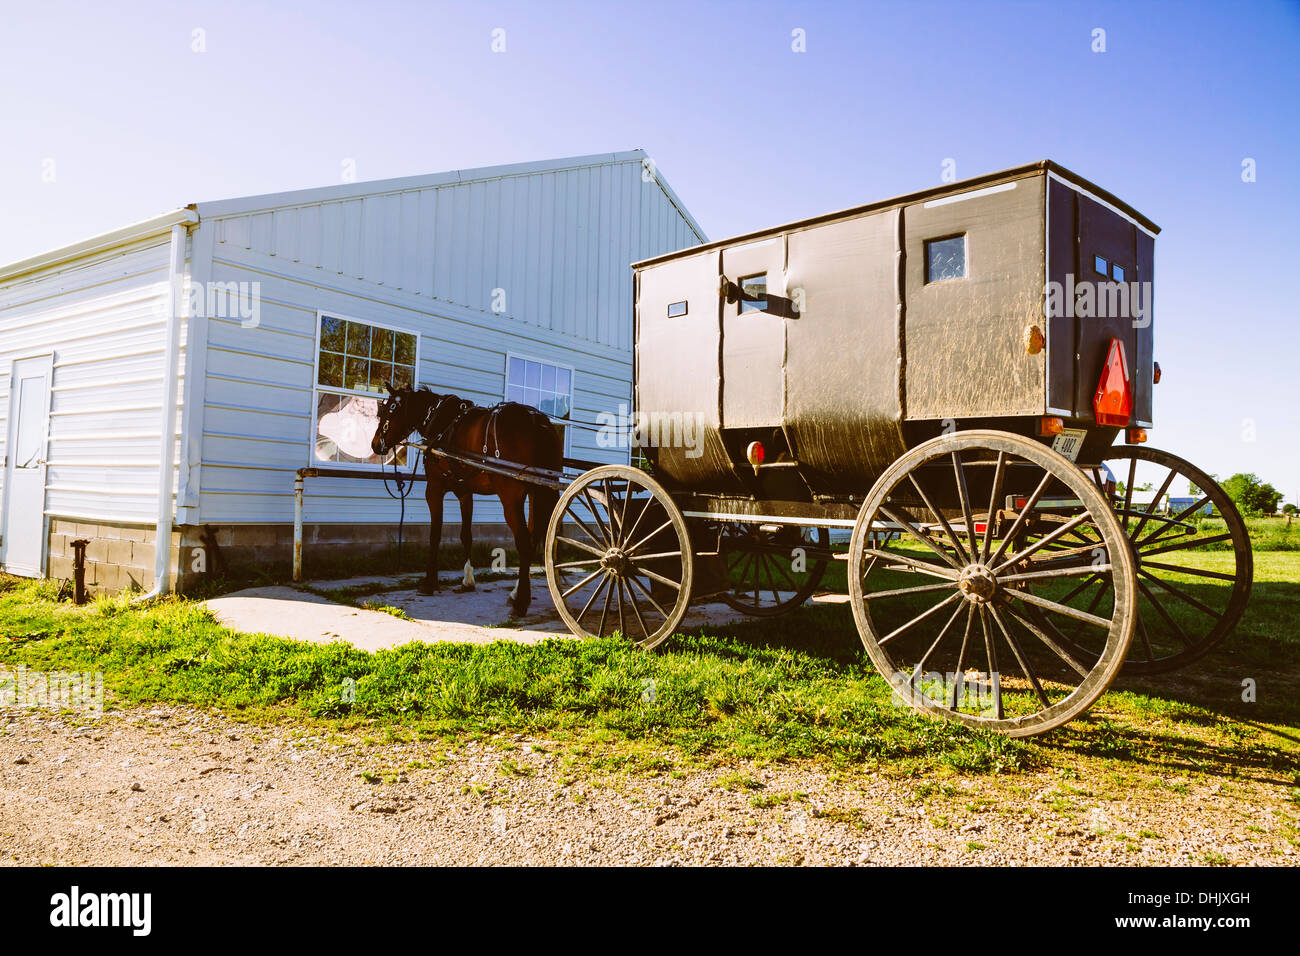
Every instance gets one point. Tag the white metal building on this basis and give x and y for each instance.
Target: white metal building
(245, 339)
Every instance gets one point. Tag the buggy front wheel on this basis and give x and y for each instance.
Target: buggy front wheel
(618, 557)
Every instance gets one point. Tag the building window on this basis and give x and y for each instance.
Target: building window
(354, 361)
(676, 309)
(1100, 266)
(1118, 272)
(753, 293)
(945, 258)
(542, 385)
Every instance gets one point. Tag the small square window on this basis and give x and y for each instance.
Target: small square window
(753, 293)
(1100, 266)
(676, 309)
(1118, 272)
(945, 258)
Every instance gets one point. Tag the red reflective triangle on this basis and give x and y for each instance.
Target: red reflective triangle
(1113, 402)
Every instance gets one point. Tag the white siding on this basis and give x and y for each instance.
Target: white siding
(424, 257)
(103, 316)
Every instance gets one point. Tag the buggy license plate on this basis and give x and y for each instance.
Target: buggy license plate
(1069, 442)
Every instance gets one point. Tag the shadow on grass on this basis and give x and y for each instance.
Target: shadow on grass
(1206, 697)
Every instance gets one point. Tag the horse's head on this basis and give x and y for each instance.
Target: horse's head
(401, 413)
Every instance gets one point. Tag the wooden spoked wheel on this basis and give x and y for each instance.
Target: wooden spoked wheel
(964, 610)
(1194, 571)
(769, 567)
(618, 557)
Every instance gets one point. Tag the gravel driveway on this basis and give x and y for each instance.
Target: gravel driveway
(169, 786)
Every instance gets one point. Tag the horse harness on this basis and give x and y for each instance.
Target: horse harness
(441, 437)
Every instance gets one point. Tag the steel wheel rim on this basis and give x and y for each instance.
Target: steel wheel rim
(1046, 684)
(770, 589)
(624, 562)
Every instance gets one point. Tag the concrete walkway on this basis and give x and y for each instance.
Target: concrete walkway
(476, 617)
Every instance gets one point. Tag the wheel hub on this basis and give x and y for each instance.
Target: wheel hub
(977, 584)
(616, 560)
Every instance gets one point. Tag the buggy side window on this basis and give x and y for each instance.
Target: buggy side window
(1117, 272)
(753, 293)
(945, 258)
(1100, 266)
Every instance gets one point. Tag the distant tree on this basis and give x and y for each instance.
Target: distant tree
(1252, 495)
(1289, 509)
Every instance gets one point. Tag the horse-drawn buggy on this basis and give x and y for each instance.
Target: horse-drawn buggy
(941, 379)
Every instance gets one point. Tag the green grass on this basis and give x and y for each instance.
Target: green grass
(1266, 534)
(794, 688)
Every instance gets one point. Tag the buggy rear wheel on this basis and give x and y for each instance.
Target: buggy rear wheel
(961, 602)
(769, 574)
(618, 557)
(1193, 574)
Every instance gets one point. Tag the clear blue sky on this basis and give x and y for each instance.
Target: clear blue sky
(748, 132)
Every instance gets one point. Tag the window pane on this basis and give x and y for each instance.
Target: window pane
(331, 369)
(1118, 273)
(356, 373)
(404, 349)
(945, 259)
(380, 374)
(548, 378)
(514, 393)
(532, 397)
(331, 333)
(515, 371)
(753, 293)
(532, 375)
(30, 437)
(358, 339)
(345, 426)
(676, 309)
(402, 377)
(563, 381)
(381, 345)
(1099, 264)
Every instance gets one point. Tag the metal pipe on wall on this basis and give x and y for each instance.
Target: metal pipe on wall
(162, 545)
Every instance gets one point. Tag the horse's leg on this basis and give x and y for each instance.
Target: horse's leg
(512, 502)
(467, 539)
(433, 494)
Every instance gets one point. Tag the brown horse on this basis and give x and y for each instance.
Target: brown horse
(509, 431)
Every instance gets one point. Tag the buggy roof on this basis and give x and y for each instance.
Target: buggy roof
(924, 195)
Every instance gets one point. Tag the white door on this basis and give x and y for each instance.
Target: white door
(29, 419)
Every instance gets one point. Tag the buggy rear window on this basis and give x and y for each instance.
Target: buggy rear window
(945, 258)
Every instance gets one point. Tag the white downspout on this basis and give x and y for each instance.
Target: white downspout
(162, 544)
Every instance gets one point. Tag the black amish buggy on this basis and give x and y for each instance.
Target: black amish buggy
(945, 375)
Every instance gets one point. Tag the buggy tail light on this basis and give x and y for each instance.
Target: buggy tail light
(1155, 373)
(1113, 402)
(755, 454)
(1050, 425)
(1137, 436)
